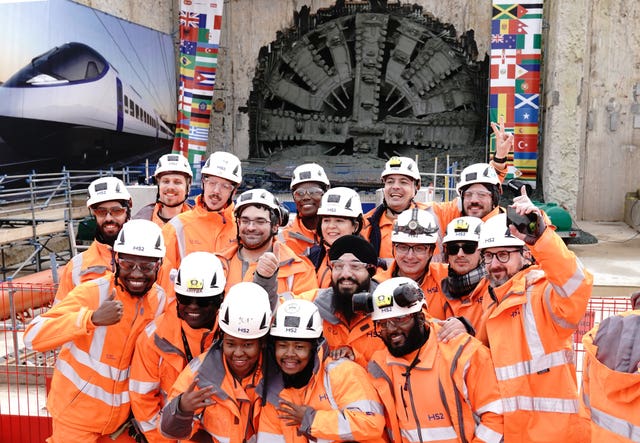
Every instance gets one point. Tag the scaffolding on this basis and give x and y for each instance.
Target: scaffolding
(39, 210)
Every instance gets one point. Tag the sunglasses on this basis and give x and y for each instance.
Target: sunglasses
(115, 211)
(467, 248)
(202, 302)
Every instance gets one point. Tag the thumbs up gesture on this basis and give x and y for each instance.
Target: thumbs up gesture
(109, 312)
(269, 262)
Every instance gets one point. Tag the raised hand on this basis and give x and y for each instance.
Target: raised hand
(191, 400)
(109, 312)
(269, 262)
(504, 140)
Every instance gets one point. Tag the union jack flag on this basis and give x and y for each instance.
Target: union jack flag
(497, 38)
(190, 19)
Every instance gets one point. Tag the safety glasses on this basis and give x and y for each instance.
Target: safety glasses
(115, 211)
(202, 302)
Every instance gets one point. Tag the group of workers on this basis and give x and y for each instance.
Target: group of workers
(416, 322)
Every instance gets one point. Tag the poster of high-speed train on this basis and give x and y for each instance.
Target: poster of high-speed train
(97, 86)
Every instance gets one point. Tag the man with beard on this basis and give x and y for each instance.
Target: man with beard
(349, 334)
(210, 225)
(97, 325)
(259, 254)
(170, 342)
(460, 294)
(311, 397)
(308, 184)
(173, 178)
(531, 314)
(432, 390)
(110, 203)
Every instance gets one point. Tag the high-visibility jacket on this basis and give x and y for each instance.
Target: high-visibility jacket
(93, 263)
(529, 322)
(379, 233)
(468, 306)
(611, 398)
(158, 359)
(428, 285)
(323, 271)
(343, 404)
(359, 336)
(199, 230)
(295, 274)
(233, 415)
(150, 212)
(90, 386)
(442, 392)
(298, 237)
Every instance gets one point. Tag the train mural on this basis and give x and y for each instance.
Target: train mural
(71, 101)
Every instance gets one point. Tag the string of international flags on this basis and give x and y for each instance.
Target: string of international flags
(200, 24)
(514, 91)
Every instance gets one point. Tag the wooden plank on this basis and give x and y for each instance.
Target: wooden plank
(46, 214)
(10, 235)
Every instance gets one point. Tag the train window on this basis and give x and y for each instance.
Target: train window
(132, 108)
(126, 104)
(137, 112)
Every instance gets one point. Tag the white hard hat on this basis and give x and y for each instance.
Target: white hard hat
(173, 163)
(257, 197)
(107, 189)
(495, 233)
(309, 172)
(402, 166)
(477, 173)
(396, 297)
(415, 226)
(200, 275)
(340, 202)
(463, 229)
(224, 165)
(297, 319)
(140, 237)
(245, 311)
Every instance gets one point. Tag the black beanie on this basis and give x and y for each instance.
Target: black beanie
(355, 245)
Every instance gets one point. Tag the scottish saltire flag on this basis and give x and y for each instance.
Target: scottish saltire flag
(514, 88)
(200, 24)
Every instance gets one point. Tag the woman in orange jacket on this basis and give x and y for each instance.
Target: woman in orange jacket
(217, 390)
(340, 214)
(312, 397)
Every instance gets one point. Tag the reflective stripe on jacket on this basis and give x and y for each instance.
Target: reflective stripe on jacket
(611, 399)
(295, 274)
(89, 390)
(449, 395)
(231, 418)
(360, 336)
(158, 359)
(93, 263)
(199, 230)
(343, 406)
(529, 323)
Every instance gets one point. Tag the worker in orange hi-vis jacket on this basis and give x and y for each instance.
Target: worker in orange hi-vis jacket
(170, 342)
(531, 314)
(340, 214)
(611, 377)
(110, 204)
(173, 178)
(210, 226)
(217, 393)
(308, 184)
(432, 390)
(313, 397)
(258, 216)
(97, 325)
